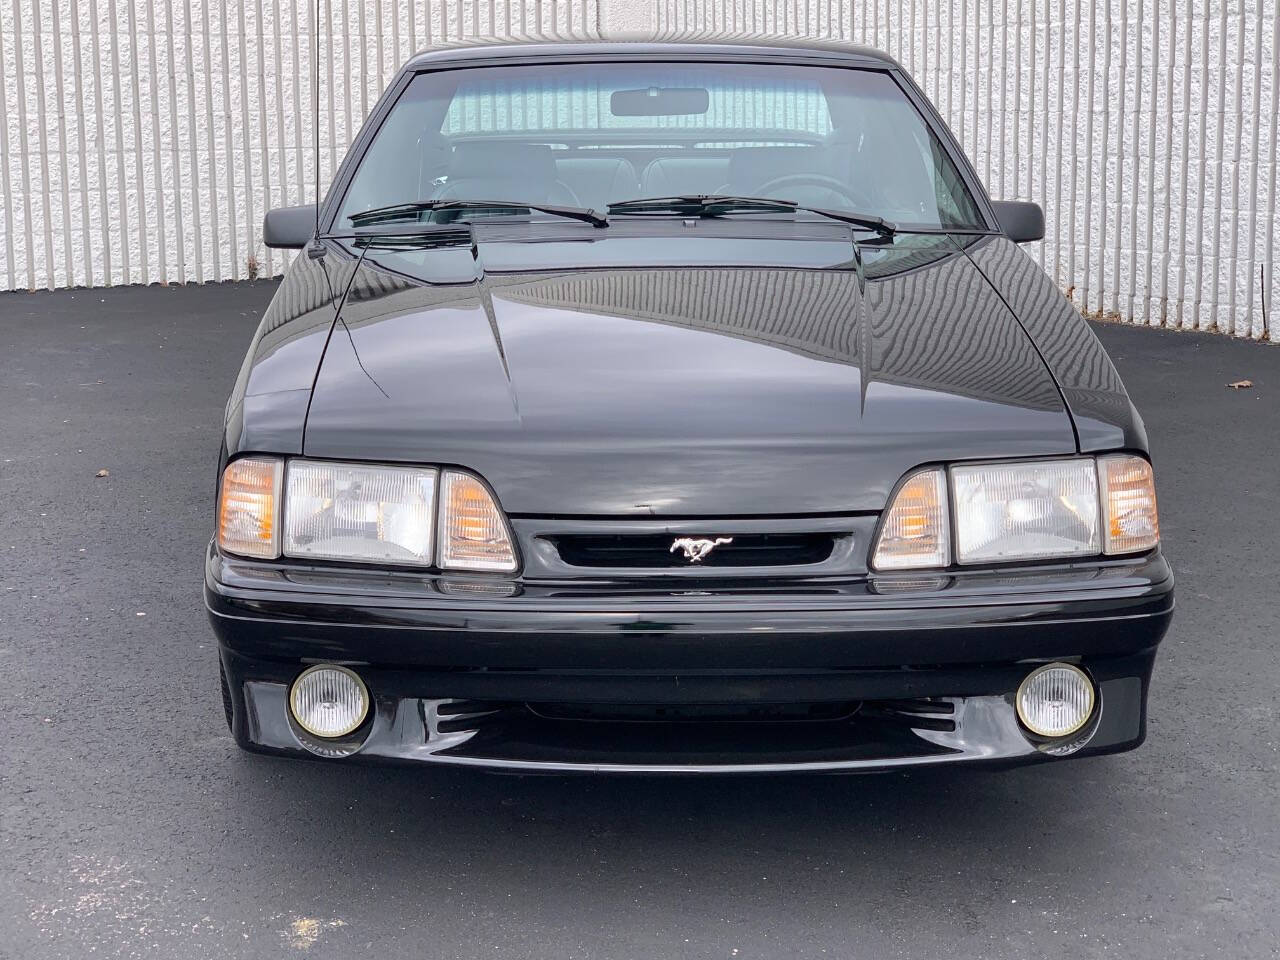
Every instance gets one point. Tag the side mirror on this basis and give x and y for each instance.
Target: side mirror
(289, 228)
(1020, 220)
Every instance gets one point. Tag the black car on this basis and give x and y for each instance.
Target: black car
(677, 408)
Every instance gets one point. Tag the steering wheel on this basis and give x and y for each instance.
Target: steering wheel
(812, 180)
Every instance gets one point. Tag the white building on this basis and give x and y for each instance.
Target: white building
(144, 139)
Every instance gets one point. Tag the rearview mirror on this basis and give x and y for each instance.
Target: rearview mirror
(1021, 220)
(660, 102)
(289, 228)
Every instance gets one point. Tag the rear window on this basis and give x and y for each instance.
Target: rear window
(490, 103)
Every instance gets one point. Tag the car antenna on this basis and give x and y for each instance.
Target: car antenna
(315, 250)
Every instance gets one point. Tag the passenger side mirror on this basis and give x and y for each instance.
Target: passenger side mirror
(1021, 220)
(289, 228)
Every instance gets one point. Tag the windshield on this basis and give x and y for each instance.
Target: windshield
(594, 134)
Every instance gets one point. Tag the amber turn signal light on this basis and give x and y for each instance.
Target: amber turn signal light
(248, 508)
(916, 532)
(1130, 519)
(473, 531)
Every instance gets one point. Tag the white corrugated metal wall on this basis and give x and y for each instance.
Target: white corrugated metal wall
(144, 138)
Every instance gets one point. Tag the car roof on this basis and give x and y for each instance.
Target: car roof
(738, 47)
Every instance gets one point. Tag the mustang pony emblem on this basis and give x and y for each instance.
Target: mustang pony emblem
(696, 549)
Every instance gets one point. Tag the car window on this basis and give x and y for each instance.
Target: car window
(730, 98)
(598, 133)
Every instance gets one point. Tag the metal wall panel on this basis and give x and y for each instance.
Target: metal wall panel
(143, 139)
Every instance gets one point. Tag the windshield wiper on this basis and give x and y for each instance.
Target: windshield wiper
(711, 205)
(701, 204)
(402, 211)
(698, 205)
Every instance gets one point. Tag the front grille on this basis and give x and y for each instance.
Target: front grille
(650, 551)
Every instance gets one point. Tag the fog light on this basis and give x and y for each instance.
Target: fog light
(328, 701)
(1055, 700)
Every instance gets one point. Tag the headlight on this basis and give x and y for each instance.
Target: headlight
(1009, 512)
(1026, 511)
(346, 511)
(361, 512)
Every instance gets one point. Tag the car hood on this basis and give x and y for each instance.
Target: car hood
(652, 389)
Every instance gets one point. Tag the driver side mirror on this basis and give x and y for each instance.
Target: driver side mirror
(1021, 220)
(289, 228)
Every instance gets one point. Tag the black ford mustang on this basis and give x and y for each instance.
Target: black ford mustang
(682, 408)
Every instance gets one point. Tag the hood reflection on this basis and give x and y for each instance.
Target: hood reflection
(666, 392)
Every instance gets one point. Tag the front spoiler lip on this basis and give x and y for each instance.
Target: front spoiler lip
(985, 732)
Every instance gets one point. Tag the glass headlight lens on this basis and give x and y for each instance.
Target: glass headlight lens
(248, 501)
(329, 701)
(1026, 511)
(346, 511)
(915, 532)
(1055, 700)
(1128, 504)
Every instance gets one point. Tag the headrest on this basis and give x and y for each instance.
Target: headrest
(500, 160)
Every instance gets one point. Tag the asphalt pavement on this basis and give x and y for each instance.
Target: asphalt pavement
(131, 826)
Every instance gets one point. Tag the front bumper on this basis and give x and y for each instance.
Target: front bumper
(871, 673)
